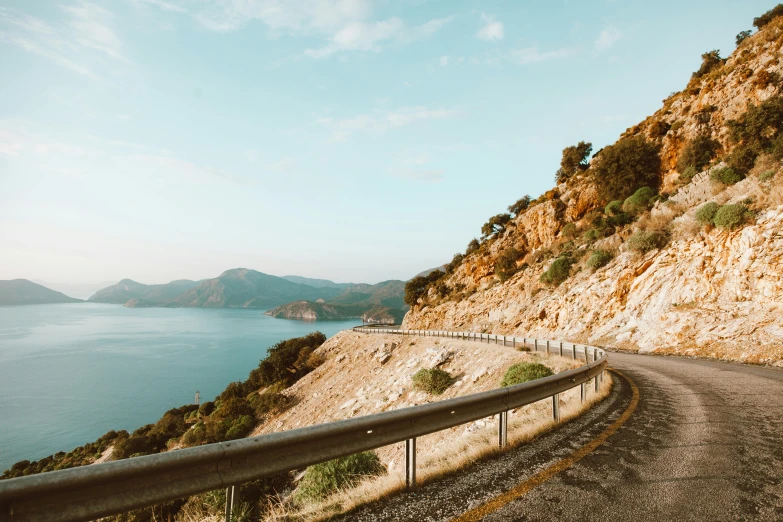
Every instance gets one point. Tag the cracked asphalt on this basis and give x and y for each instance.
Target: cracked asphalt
(705, 442)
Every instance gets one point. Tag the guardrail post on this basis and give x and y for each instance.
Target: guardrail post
(586, 360)
(584, 391)
(535, 345)
(410, 463)
(561, 348)
(556, 407)
(229, 502)
(573, 351)
(502, 429)
(513, 342)
(547, 347)
(504, 341)
(596, 384)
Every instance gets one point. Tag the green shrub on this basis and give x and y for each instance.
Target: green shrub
(644, 241)
(629, 163)
(766, 175)
(640, 201)
(755, 132)
(285, 356)
(271, 401)
(686, 176)
(730, 216)
(767, 17)
(620, 219)
(726, 175)
(323, 479)
(417, 287)
(698, 153)
(569, 230)
(506, 264)
(558, 271)
(659, 129)
(741, 160)
(592, 235)
(495, 225)
(524, 372)
(473, 246)
(613, 208)
(706, 213)
(432, 381)
(598, 259)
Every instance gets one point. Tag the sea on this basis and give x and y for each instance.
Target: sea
(71, 372)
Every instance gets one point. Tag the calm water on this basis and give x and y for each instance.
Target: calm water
(71, 372)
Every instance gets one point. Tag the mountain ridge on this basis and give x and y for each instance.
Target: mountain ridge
(15, 292)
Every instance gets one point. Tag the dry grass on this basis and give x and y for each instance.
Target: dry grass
(661, 217)
(525, 424)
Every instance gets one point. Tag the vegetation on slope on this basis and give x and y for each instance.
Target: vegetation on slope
(24, 292)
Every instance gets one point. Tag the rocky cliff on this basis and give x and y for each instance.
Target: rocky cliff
(701, 289)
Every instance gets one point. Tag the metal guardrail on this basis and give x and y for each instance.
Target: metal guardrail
(90, 492)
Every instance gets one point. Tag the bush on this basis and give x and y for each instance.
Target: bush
(524, 372)
(686, 176)
(592, 235)
(558, 271)
(659, 129)
(706, 213)
(417, 287)
(644, 241)
(640, 201)
(767, 17)
(495, 225)
(730, 216)
(574, 160)
(741, 160)
(568, 231)
(677, 125)
(321, 480)
(271, 401)
(766, 175)
(741, 36)
(613, 208)
(726, 175)
(620, 219)
(710, 61)
(698, 153)
(755, 132)
(473, 246)
(284, 357)
(432, 381)
(520, 205)
(506, 264)
(598, 259)
(629, 163)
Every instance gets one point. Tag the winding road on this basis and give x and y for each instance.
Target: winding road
(677, 439)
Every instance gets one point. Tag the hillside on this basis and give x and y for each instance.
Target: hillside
(128, 289)
(690, 265)
(381, 303)
(24, 292)
(317, 283)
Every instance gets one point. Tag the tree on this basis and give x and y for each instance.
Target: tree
(417, 287)
(574, 160)
(698, 153)
(621, 168)
(767, 17)
(520, 205)
(709, 62)
(494, 225)
(741, 36)
(472, 246)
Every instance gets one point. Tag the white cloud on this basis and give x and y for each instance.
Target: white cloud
(284, 166)
(607, 38)
(444, 61)
(379, 121)
(492, 30)
(364, 36)
(90, 24)
(418, 174)
(531, 55)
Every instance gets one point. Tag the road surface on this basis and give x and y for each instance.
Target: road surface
(698, 440)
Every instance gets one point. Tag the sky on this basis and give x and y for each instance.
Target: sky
(353, 140)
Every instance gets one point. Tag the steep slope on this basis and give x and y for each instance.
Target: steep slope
(24, 292)
(381, 303)
(128, 289)
(649, 274)
(244, 288)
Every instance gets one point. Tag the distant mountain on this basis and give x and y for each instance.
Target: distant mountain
(317, 283)
(244, 288)
(78, 290)
(442, 268)
(382, 302)
(152, 295)
(24, 292)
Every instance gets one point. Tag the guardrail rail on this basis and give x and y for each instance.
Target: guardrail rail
(90, 492)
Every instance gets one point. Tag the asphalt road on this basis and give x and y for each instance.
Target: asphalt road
(705, 442)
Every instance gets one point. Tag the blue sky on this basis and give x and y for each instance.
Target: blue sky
(346, 139)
